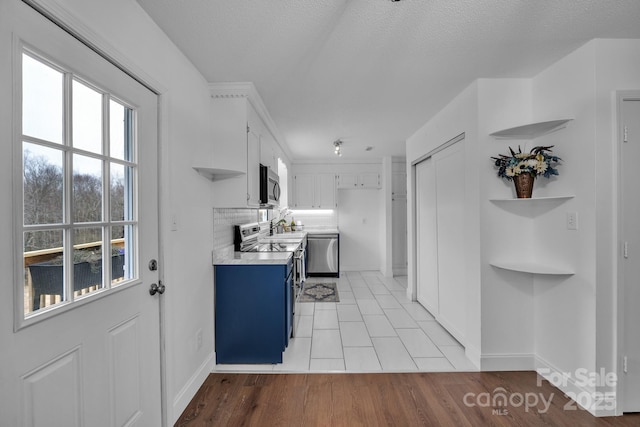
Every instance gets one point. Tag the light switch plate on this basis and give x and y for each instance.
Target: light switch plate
(572, 220)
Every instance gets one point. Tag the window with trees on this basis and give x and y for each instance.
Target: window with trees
(79, 169)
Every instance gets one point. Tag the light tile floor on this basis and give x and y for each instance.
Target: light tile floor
(374, 328)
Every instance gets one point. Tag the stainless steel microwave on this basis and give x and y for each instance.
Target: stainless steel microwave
(269, 187)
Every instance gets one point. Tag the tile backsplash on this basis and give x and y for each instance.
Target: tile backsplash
(223, 221)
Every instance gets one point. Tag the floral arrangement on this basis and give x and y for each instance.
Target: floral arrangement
(281, 220)
(537, 162)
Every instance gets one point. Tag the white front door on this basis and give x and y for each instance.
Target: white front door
(88, 357)
(629, 154)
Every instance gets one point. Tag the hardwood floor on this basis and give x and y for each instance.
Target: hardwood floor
(386, 399)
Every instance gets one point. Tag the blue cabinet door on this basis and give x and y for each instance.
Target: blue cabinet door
(251, 313)
(289, 308)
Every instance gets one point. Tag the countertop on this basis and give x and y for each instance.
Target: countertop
(322, 230)
(307, 230)
(229, 257)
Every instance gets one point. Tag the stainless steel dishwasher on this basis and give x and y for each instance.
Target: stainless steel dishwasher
(323, 251)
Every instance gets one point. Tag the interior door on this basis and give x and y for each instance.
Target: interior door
(95, 361)
(399, 239)
(427, 236)
(450, 209)
(629, 154)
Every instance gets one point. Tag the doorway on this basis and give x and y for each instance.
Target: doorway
(629, 289)
(90, 358)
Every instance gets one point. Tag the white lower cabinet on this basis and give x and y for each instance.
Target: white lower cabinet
(314, 191)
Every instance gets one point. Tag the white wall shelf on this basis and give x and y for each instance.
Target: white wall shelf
(531, 130)
(531, 207)
(535, 200)
(533, 268)
(216, 174)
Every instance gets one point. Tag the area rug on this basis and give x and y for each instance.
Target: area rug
(319, 292)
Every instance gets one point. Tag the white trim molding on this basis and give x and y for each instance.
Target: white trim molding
(248, 90)
(508, 362)
(191, 387)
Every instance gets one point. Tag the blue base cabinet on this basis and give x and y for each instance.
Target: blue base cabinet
(253, 312)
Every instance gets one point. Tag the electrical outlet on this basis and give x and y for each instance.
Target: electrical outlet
(572, 220)
(198, 339)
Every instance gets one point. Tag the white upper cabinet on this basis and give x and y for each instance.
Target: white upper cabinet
(369, 180)
(240, 142)
(253, 159)
(235, 147)
(268, 156)
(314, 191)
(348, 181)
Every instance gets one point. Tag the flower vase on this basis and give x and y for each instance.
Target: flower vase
(524, 185)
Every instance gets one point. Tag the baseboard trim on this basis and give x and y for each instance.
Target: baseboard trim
(184, 396)
(508, 362)
(474, 355)
(402, 271)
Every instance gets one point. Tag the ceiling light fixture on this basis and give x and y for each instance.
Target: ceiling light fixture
(337, 145)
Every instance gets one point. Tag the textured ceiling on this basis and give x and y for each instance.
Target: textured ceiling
(371, 72)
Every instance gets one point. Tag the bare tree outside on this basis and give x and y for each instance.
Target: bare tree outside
(43, 200)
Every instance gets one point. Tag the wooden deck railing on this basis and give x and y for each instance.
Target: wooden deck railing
(44, 255)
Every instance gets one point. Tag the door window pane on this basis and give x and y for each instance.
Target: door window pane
(42, 184)
(42, 100)
(87, 118)
(87, 189)
(87, 260)
(43, 269)
(122, 253)
(121, 192)
(120, 131)
(102, 244)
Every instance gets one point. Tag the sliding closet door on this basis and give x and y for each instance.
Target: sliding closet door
(450, 195)
(427, 236)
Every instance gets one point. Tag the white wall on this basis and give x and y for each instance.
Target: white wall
(565, 307)
(123, 29)
(584, 83)
(561, 322)
(507, 297)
